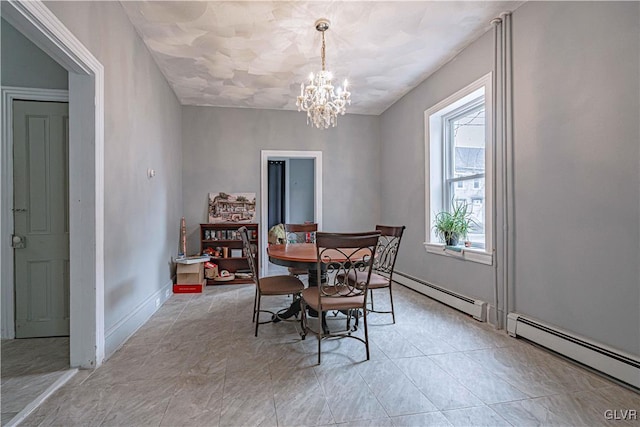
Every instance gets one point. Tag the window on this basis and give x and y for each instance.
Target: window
(458, 146)
(464, 147)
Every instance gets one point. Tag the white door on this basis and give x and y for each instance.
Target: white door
(41, 218)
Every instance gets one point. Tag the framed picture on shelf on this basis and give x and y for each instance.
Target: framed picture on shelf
(232, 207)
(236, 253)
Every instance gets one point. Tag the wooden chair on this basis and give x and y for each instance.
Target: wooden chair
(340, 254)
(267, 286)
(383, 265)
(300, 233)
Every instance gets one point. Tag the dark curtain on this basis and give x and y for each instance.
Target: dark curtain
(276, 193)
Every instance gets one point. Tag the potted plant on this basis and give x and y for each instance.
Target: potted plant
(453, 225)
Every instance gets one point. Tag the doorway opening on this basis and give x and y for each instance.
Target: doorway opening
(291, 191)
(86, 181)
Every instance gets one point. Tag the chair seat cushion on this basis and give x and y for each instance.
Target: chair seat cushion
(310, 296)
(377, 281)
(280, 285)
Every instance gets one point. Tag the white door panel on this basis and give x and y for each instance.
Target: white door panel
(41, 218)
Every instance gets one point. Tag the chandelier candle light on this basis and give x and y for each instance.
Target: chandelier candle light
(318, 99)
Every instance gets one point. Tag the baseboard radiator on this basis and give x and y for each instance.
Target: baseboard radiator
(473, 307)
(615, 363)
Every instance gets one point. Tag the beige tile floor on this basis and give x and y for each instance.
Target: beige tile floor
(197, 363)
(29, 367)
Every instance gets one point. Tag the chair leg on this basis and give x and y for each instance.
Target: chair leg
(371, 299)
(366, 330)
(393, 313)
(255, 300)
(258, 314)
(320, 335)
(303, 319)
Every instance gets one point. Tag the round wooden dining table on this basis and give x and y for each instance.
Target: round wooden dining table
(296, 255)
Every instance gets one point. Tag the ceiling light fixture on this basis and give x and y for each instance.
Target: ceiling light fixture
(318, 99)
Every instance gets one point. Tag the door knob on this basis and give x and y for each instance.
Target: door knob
(17, 241)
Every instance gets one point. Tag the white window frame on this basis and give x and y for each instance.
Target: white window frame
(435, 163)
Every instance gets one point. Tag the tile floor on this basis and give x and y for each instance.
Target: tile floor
(29, 367)
(197, 363)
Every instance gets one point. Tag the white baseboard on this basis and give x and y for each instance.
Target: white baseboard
(119, 333)
(613, 362)
(473, 307)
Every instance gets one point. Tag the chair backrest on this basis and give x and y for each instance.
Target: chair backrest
(249, 253)
(387, 249)
(338, 254)
(301, 233)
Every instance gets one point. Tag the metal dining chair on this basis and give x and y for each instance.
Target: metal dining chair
(339, 255)
(269, 285)
(300, 233)
(383, 265)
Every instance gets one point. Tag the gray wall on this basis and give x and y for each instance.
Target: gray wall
(142, 130)
(25, 65)
(576, 162)
(221, 152)
(577, 182)
(301, 203)
(403, 174)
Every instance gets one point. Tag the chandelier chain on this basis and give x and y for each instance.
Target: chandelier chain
(323, 50)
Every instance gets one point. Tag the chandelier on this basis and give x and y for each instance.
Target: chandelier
(318, 99)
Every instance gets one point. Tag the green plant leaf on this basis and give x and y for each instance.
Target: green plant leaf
(455, 222)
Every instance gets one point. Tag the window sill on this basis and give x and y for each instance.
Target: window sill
(466, 254)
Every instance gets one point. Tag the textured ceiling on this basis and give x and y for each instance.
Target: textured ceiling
(256, 54)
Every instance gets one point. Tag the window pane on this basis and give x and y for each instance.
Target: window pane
(474, 197)
(468, 132)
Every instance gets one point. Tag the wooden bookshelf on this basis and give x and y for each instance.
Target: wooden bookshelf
(225, 238)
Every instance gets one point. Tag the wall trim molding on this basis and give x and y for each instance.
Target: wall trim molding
(265, 155)
(86, 172)
(119, 333)
(466, 254)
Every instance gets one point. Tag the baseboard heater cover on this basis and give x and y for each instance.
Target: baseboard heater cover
(613, 362)
(473, 307)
